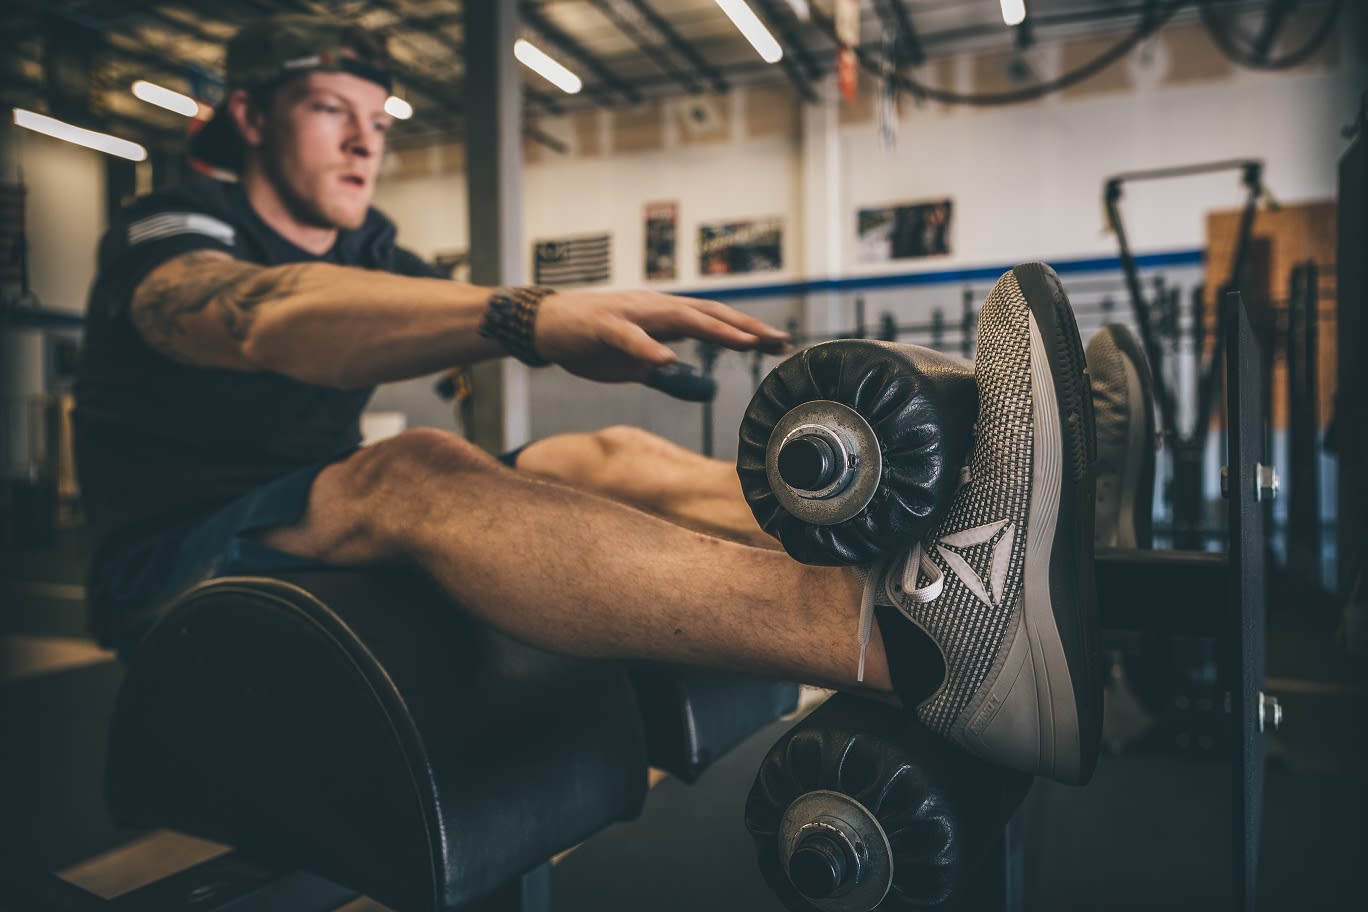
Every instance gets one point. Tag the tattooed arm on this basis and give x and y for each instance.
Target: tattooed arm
(347, 327)
(332, 325)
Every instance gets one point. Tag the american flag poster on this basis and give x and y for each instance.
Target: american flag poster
(583, 260)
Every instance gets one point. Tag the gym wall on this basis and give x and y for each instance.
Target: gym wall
(1026, 182)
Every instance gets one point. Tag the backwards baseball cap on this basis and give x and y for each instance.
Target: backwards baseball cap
(269, 51)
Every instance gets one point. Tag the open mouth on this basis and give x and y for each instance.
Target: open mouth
(354, 179)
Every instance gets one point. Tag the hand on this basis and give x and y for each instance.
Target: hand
(619, 335)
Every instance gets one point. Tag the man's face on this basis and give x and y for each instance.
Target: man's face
(320, 145)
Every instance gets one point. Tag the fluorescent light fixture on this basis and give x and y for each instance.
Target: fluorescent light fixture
(163, 97)
(744, 18)
(58, 129)
(397, 108)
(539, 62)
(1014, 11)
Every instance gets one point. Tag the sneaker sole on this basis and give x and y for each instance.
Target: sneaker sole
(1061, 609)
(1056, 637)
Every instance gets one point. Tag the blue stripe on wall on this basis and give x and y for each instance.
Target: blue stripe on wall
(19, 317)
(947, 276)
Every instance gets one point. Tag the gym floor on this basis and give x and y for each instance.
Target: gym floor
(1151, 829)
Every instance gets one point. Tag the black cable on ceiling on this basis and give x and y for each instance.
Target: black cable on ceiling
(1143, 30)
(1222, 34)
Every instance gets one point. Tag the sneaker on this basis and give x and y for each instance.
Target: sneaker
(1123, 403)
(1003, 588)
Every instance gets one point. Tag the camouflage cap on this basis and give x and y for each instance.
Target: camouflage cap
(271, 50)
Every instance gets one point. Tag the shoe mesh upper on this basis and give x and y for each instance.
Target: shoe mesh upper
(1111, 401)
(987, 514)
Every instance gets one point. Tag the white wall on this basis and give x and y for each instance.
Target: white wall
(572, 196)
(1027, 181)
(64, 215)
(63, 219)
(733, 180)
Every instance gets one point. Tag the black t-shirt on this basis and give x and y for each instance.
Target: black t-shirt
(159, 443)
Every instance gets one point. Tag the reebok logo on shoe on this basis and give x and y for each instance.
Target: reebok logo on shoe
(961, 550)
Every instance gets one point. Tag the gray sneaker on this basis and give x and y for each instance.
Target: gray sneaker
(1004, 587)
(1123, 402)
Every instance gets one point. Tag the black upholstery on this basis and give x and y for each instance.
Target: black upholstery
(693, 716)
(357, 726)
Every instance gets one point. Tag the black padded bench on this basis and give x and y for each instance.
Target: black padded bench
(351, 733)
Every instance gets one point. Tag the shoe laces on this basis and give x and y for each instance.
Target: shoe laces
(918, 563)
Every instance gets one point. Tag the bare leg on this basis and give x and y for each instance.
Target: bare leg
(654, 474)
(571, 571)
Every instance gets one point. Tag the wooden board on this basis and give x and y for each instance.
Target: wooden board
(1281, 239)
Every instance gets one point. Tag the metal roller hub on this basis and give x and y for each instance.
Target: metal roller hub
(813, 462)
(823, 462)
(835, 852)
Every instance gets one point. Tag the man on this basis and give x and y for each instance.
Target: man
(236, 331)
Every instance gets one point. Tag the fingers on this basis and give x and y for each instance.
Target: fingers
(712, 321)
(630, 339)
(698, 325)
(744, 322)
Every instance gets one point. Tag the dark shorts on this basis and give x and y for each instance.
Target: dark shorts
(132, 583)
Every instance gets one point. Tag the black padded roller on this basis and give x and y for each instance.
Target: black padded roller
(940, 811)
(921, 406)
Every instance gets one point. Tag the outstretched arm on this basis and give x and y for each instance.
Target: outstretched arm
(347, 327)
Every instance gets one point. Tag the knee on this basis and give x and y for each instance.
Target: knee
(624, 439)
(423, 452)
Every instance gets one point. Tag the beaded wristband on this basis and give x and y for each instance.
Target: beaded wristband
(510, 318)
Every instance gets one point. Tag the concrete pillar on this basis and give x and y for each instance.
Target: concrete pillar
(823, 214)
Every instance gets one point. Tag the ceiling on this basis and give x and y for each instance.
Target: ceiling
(626, 51)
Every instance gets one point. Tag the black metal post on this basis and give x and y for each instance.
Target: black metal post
(967, 324)
(888, 327)
(1140, 308)
(707, 356)
(1244, 665)
(494, 125)
(1303, 430)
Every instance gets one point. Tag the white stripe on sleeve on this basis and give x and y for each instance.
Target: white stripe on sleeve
(168, 224)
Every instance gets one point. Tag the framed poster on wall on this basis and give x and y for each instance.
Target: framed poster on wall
(661, 223)
(736, 247)
(903, 231)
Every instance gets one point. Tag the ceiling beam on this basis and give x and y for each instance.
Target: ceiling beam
(786, 22)
(532, 15)
(151, 132)
(910, 47)
(800, 81)
(682, 47)
(613, 12)
(440, 95)
(543, 100)
(457, 50)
